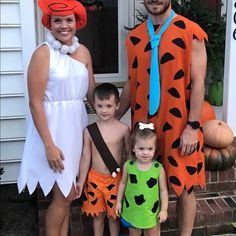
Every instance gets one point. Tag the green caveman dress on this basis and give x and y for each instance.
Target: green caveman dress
(141, 204)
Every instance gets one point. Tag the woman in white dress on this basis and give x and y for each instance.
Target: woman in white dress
(60, 76)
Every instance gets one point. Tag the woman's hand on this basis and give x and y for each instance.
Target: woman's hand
(55, 158)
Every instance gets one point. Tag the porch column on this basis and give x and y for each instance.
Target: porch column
(229, 103)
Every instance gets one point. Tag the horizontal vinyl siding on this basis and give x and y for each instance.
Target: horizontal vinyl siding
(12, 94)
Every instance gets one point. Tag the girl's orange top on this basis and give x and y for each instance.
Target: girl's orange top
(174, 64)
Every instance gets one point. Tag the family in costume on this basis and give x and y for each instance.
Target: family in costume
(60, 76)
(166, 68)
(106, 144)
(143, 187)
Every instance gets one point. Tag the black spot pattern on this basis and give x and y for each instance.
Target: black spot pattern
(174, 92)
(84, 197)
(91, 194)
(110, 204)
(187, 104)
(126, 202)
(148, 47)
(110, 187)
(94, 201)
(191, 170)
(179, 42)
(198, 146)
(172, 161)
(135, 40)
(155, 207)
(113, 197)
(174, 180)
(139, 200)
(188, 86)
(135, 63)
(156, 164)
(151, 182)
(180, 24)
(148, 71)
(179, 75)
(137, 106)
(175, 112)
(138, 84)
(176, 143)
(190, 189)
(199, 167)
(194, 36)
(166, 127)
(93, 185)
(133, 179)
(166, 57)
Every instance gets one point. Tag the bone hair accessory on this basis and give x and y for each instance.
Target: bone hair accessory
(143, 126)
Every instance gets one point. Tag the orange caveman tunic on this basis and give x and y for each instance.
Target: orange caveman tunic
(174, 64)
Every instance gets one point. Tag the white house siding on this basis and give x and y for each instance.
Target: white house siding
(16, 46)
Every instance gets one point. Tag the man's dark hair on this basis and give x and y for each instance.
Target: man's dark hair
(105, 90)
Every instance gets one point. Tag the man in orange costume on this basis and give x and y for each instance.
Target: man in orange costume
(182, 66)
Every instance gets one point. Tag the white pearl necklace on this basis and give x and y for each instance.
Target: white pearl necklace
(63, 48)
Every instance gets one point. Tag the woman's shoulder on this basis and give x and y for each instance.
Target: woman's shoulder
(42, 50)
(83, 55)
(41, 54)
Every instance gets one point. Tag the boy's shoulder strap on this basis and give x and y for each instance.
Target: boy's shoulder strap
(103, 150)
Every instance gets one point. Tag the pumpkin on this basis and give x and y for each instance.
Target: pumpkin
(215, 93)
(217, 134)
(219, 158)
(208, 112)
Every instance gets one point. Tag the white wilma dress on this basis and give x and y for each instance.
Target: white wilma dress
(67, 85)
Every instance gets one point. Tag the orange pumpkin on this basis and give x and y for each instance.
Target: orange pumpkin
(208, 112)
(219, 158)
(217, 134)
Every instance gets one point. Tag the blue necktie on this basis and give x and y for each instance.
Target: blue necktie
(154, 89)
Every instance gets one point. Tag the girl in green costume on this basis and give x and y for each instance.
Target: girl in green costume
(142, 198)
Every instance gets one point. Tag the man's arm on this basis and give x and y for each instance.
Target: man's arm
(198, 72)
(124, 101)
(127, 143)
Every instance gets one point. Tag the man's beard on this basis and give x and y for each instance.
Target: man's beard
(165, 8)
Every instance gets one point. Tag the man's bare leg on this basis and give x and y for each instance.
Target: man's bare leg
(186, 207)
